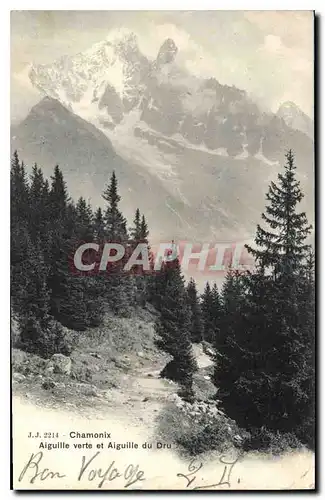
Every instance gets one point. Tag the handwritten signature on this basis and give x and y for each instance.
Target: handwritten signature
(131, 474)
(195, 466)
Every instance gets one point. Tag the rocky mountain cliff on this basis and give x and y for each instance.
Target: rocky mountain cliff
(114, 78)
(295, 118)
(195, 155)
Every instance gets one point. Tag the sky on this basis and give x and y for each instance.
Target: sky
(267, 53)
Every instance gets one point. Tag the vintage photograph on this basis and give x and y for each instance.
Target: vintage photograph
(162, 181)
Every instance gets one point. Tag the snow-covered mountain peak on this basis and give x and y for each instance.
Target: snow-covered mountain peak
(113, 81)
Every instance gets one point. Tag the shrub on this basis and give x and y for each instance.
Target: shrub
(27, 364)
(199, 427)
(273, 442)
(43, 338)
(14, 326)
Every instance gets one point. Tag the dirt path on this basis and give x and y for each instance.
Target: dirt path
(146, 394)
(137, 397)
(129, 413)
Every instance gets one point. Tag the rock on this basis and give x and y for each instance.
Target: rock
(18, 377)
(174, 398)
(140, 354)
(206, 377)
(48, 384)
(60, 385)
(150, 375)
(167, 52)
(145, 399)
(95, 355)
(108, 395)
(90, 390)
(49, 369)
(61, 364)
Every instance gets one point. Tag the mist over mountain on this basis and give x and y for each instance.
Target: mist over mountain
(195, 155)
(295, 118)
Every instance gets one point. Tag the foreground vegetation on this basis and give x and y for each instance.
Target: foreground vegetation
(260, 325)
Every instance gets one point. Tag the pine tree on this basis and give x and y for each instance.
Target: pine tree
(39, 333)
(19, 191)
(58, 196)
(262, 375)
(144, 231)
(307, 308)
(135, 231)
(227, 343)
(38, 203)
(282, 248)
(139, 276)
(115, 223)
(120, 288)
(196, 324)
(59, 238)
(19, 236)
(84, 221)
(216, 314)
(173, 329)
(207, 313)
(99, 226)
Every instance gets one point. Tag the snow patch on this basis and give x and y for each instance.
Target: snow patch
(260, 156)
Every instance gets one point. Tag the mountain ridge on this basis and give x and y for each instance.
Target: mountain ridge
(113, 78)
(196, 156)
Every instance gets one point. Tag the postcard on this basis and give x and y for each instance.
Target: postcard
(162, 250)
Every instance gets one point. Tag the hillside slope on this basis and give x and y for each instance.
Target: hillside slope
(113, 367)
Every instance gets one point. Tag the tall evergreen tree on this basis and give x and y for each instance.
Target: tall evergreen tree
(115, 223)
(84, 228)
(173, 328)
(207, 313)
(227, 341)
(144, 231)
(119, 286)
(216, 314)
(282, 248)
(307, 308)
(196, 323)
(19, 191)
(58, 196)
(135, 231)
(99, 226)
(59, 238)
(264, 381)
(38, 203)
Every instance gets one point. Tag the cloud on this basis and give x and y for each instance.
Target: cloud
(272, 44)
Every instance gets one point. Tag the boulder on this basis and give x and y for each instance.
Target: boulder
(18, 377)
(60, 385)
(91, 391)
(95, 355)
(49, 368)
(61, 364)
